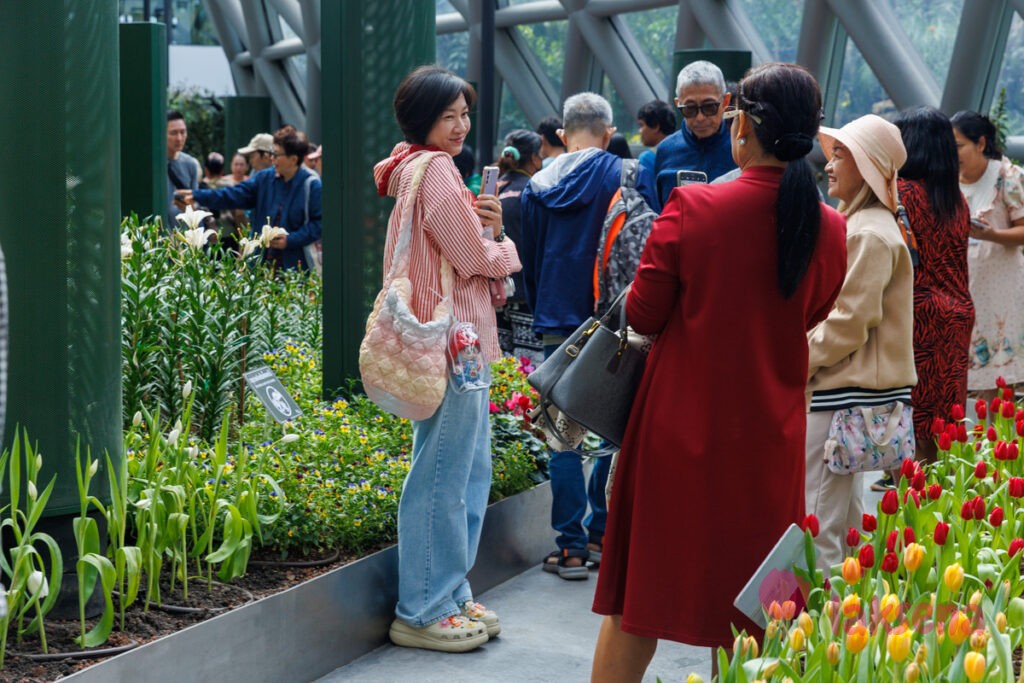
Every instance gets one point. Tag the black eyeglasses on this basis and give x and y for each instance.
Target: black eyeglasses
(707, 108)
(276, 154)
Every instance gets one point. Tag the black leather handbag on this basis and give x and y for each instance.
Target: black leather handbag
(593, 376)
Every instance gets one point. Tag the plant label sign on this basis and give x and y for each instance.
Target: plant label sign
(272, 394)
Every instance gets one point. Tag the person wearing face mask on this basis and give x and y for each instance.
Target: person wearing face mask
(702, 143)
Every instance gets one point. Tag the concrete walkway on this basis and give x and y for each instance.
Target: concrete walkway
(548, 634)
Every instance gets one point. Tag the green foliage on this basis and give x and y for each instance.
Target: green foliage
(204, 119)
(1000, 119)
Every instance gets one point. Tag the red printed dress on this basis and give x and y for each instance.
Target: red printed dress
(943, 310)
(712, 469)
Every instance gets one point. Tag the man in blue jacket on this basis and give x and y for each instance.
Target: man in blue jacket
(702, 143)
(564, 207)
(287, 195)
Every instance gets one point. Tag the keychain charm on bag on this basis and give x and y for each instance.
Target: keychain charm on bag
(467, 369)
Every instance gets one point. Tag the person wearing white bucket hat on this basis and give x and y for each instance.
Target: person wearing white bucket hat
(862, 354)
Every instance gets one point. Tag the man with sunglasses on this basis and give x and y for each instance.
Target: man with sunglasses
(702, 144)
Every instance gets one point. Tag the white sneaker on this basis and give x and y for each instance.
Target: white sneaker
(451, 634)
(477, 612)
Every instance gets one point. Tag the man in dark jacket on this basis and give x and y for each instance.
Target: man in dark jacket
(702, 142)
(564, 207)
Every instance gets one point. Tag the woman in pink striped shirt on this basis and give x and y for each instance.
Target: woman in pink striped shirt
(445, 493)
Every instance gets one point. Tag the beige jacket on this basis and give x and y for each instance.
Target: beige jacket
(867, 340)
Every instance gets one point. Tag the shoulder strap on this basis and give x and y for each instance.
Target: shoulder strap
(630, 168)
(400, 261)
(903, 220)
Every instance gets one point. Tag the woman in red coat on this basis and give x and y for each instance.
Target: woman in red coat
(712, 469)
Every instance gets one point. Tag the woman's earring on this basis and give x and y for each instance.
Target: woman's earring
(741, 141)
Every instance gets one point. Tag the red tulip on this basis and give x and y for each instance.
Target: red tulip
(996, 517)
(811, 523)
(869, 523)
(1016, 545)
(890, 502)
(945, 442)
(852, 537)
(1015, 487)
(866, 556)
(1009, 409)
(961, 433)
(934, 491)
(918, 481)
(981, 408)
(978, 507)
(909, 536)
(980, 470)
(1001, 382)
(992, 435)
(999, 452)
(890, 563)
(907, 469)
(995, 406)
(1012, 451)
(913, 495)
(957, 412)
(1020, 428)
(1007, 396)
(938, 426)
(890, 542)
(941, 531)
(966, 511)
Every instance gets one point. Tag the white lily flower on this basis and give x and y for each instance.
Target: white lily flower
(39, 461)
(32, 493)
(289, 438)
(196, 237)
(186, 390)
(93, 467)
(193, 218)
(137, 418)
(248, 246)
(177, 425)
(126, 246)
(193, 452)
(269, 233)
(37, 583)
(172, 438)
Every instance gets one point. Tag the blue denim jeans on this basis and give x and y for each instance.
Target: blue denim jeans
(442, 508)
(570, 494)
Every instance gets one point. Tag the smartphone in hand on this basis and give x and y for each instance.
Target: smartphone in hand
(979, 224)
(690, 177)
(490, 181)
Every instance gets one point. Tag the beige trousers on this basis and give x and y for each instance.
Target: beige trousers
(836, 499)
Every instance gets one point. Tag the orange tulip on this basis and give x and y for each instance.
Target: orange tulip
(974, 666)
(851, 606)
(851, 570)
(775, 610)
(857, 637)
(959, 627)
(890, 608)
(898, 643)
(788, 609)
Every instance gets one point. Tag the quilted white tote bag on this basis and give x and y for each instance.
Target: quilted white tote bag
(402, 360)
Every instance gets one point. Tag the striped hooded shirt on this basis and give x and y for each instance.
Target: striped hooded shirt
(443, 222)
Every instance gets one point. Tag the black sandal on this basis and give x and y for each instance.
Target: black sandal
(565, 571)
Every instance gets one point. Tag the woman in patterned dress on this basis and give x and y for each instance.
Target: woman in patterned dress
(943, 311)
(994, 189)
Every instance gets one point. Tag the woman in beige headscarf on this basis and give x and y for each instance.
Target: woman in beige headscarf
(862, 354)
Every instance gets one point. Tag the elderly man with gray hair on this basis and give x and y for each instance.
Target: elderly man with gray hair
(702, 144)
(564, 207)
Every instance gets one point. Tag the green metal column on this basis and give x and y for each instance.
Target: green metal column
(143, 118)
(367, 48)
(59, 227)
(244, 116)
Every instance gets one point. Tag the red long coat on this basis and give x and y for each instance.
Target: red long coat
(712, 469)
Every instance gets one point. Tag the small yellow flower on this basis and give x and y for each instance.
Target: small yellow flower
(974, 666)
(898, 643)
(953, 577)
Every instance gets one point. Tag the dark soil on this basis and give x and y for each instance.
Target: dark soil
(141, 625)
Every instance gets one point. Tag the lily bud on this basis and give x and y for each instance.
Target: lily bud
(172, 438)
(93, 467)
(289, 438)
(137, 418)
(37, 584)
(32, 493)
(186, 390)
(39, 461)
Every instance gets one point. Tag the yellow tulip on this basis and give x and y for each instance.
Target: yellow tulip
(979, 640)
(805, 623)
(694, 678)
(974, 666)
(890, 608)
(857, 637)
(851, 606)
(851, 570)
(912, 673)
(912, 556)
(746, 646)
(796, 639)
(975, 600)
(959, 627)
(771, 630)
(898, 643)
(1001, 622)
(953, 577)
(922, 653)
(832, 653)
(830, 610)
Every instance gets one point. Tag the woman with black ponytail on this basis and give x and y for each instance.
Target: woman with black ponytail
(732, 278)
(519, 160)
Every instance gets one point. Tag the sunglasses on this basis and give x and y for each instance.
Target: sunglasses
(733, 112)
(707, 108)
